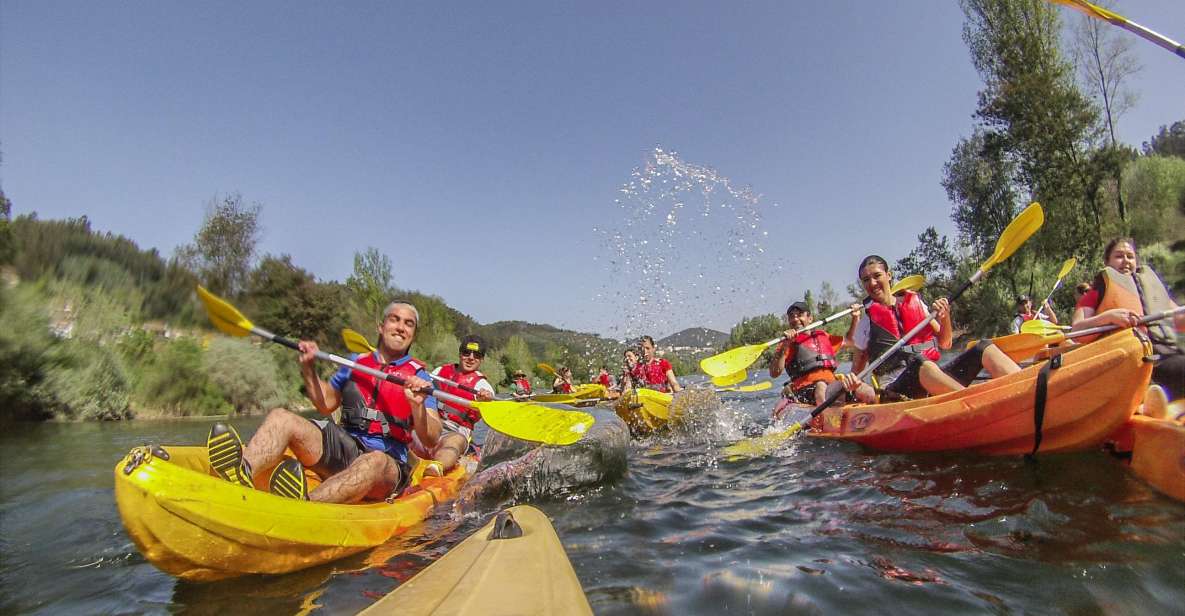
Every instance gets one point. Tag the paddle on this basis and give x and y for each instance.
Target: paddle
(762, 386)
(735, 360)
(1020, 229)
(730, 379)
(1116, 19)
(1042, 334)
(1066, 267)
(546, 368)
(357, 343)
(528, 422)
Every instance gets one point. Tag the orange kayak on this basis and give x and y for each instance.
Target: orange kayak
(1157, 449)
(1092, 393)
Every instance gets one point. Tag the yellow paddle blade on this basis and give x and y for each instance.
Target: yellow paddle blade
(762, 386)
(655, 403)
(909, 283)
(1042, 327)
(762, 445)
(1020, 229)
(224, 316)
(730, 379)
(355, 342)
(546, 368)
(1066, 267)
(732, 361)
(555, 398)
(538, 424)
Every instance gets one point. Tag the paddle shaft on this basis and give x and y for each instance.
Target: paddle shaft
(353, 365)
(818, 323)
(1156, 316)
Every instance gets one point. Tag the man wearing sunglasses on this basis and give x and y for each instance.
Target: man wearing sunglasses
(456, 434)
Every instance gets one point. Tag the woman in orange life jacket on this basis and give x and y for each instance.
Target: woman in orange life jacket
(456, 433)
(912, 370)
(1122, 308)
(656, 372)
(563, 381)
(808, 359)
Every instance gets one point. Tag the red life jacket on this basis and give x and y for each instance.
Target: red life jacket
(523, 384)
(563, 388)
(384, 409)
(457, 414)
(887, 325)
(812, 350)
(604, 379)
(654, 374)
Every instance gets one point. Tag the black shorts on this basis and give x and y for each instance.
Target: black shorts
(963, 368)
(339, 449)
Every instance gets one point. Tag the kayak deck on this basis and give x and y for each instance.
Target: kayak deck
(192, 524)
(490, 575)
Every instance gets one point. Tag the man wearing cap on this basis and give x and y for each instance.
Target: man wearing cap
(520, 384)
(807, 357)
(366, 456)
(1024, 312)
(456, 433)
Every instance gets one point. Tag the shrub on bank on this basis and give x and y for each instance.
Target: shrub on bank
(176, 382)
(245, 374)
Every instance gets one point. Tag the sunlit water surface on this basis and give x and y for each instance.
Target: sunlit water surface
(821, 527)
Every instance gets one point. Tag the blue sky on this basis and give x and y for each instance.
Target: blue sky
(478, 144)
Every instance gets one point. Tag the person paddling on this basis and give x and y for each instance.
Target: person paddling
(1123, 292)
(456, 433)
(563, 381)
(656, 373)
(364, 457)
(603, 378)
(808, 358)
(913, 372)
(520, 385)
(1024, 312)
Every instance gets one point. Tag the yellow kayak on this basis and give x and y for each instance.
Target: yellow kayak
(494, 572)
(648, 410)
(190, 523)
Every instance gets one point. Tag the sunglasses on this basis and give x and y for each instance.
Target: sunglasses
(477, 354)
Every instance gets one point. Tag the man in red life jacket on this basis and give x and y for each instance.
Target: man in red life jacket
(365, 456)
(456, 434)
(656, 373)
(1024, 312)
(521, 385)
(808, 359)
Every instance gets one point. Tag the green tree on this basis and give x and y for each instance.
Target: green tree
(516, 355)
(1168, 141)
(6, 247)
(223, 250)
(1155, 187)
(370, 284)
(933, 258)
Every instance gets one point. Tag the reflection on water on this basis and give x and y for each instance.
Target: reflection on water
(821, 527)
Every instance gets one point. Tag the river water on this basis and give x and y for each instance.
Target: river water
(820, 527)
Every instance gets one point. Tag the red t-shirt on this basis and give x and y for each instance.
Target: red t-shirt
(655, 372)
(603, 379)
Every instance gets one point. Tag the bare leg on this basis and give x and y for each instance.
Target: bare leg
(373, 473)
(448, 451)
(935, 381)
(281, 430)
(998, 364)
(820, 393)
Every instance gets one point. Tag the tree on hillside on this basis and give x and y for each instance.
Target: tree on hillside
(288, 300)
(6, 247)
(933, 258)
(371, 284)
(223, 250)
(1169, 141)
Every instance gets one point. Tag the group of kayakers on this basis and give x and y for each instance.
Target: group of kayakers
(366, 454)
(1120, 294)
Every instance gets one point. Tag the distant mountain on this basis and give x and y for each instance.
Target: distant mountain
(539, 337)
(695, 337)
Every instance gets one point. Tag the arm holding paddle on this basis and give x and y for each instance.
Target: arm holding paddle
(324, 396)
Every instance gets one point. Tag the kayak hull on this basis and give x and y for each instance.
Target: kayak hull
(192, 524)
(1157, 448)
(1093, 393)
(528, 574)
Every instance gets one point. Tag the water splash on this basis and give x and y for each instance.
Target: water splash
(687, 249)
